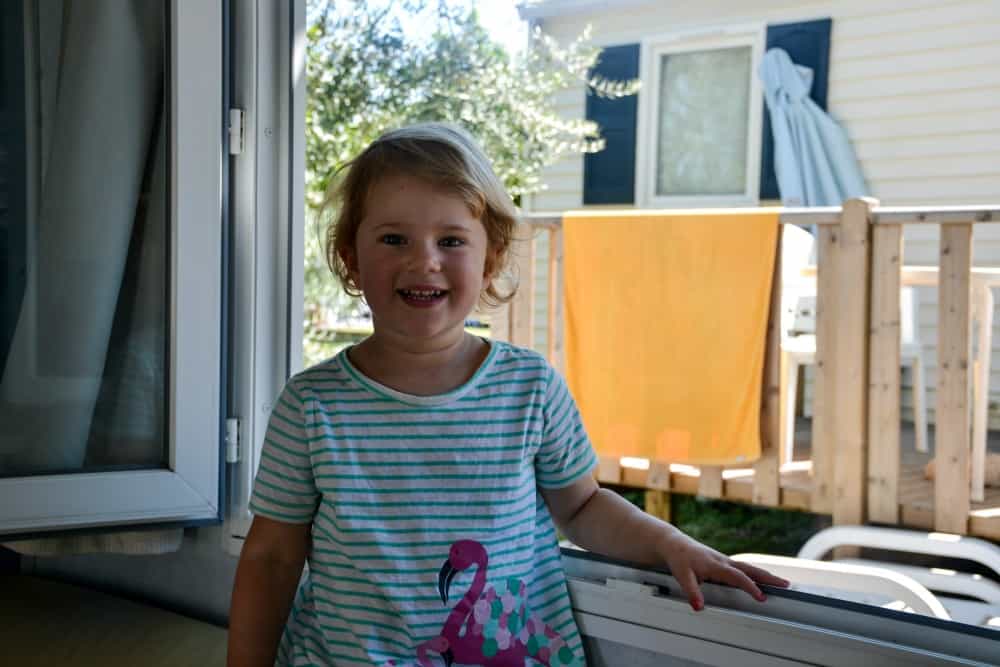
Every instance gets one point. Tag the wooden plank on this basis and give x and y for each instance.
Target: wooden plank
(853, 288)
(919, 517)
(636, 477)
(609, 470)
(830, 215)
(557, 347)
(522, 310)
(737, 491)
(685, 484)
(766, 478)
(824, 426)
(795, 489)
(795, 499)
(952, 437)
(985, 525)
(740, 491)
(710, 482)
(884, 387)
(936, 215)
(814, 215)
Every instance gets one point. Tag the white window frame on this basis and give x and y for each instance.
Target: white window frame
(652, 50)
(268, 182)
(188, 489)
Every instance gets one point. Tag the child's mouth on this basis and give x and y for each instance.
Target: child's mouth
(422, 297)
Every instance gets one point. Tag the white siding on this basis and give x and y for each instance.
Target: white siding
(916, 84)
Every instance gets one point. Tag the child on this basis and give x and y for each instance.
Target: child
(424, 471)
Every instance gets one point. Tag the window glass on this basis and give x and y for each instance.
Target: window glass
(83, 237)
(704, 99)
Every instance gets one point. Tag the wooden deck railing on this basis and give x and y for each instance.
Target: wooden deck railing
(856, 460)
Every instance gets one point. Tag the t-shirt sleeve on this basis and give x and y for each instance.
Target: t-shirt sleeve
(285, 489)
(565, 454)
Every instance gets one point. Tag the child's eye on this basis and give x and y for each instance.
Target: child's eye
(451, 242)
(392, 239)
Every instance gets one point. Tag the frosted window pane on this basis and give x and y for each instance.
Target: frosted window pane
(704, 105)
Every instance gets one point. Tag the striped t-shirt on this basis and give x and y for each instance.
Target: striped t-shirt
(414, 499)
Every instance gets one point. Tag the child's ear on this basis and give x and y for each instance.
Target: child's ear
(489, 267)
(350, 259)
(488, 275)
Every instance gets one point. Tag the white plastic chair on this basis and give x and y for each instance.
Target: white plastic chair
(798, 344)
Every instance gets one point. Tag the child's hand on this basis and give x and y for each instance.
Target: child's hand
(692, 563)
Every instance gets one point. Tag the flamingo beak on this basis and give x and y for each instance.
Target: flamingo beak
(445, 576)
(449, 657)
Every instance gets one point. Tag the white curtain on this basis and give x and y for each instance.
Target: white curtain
(100, 98)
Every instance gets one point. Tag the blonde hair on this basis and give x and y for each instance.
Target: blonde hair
(444, 156)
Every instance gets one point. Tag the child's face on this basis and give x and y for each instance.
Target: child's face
(419, 258)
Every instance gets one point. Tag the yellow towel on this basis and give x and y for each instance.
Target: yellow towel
(666, 320)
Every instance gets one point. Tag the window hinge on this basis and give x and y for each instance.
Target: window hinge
(232, 440)
(236, 131)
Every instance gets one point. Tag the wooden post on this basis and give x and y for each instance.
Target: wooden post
(658, 504)
(710, 482)
(983, 303)
(883, 412)
(766, 470)
(853, 288)
(500, 322)
(522, 308)
(785, 430)
(824, 427)
(952, 439)
(658, 478)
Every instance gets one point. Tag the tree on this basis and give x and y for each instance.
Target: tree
(365, 75)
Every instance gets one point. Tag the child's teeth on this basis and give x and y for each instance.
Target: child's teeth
(423, 293)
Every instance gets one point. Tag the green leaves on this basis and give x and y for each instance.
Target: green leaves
(365, 75)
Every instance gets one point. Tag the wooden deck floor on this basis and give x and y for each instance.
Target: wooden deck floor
(916, 493)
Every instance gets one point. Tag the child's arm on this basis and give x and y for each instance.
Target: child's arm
(600, 520)
(266, 580)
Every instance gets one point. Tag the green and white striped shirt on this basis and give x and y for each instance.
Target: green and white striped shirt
(390, 481)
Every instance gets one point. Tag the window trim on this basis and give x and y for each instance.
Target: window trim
(188, 490)
(651, 50)
(268, 207)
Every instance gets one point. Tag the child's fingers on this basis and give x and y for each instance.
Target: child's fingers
(761, 576)
(689, 584)
(732, 575)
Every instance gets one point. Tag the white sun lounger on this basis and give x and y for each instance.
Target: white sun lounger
(632, 617)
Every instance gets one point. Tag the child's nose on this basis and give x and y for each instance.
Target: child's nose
(426, 257)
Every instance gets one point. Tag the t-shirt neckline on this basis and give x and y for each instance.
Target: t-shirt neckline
(413, 399)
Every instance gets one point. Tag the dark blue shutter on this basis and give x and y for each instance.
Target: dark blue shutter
(609, 175)
(808, 44)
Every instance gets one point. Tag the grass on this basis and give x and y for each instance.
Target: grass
(734, 528)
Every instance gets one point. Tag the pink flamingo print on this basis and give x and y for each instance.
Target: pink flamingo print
(498, 631)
